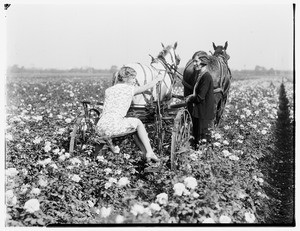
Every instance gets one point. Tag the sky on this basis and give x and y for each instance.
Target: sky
(99, 35)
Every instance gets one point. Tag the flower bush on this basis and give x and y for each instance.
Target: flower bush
(45, 184)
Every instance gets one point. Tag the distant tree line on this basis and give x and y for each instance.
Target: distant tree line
(258, 71)
(91, 70)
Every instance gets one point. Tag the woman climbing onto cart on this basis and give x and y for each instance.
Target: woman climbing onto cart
(117, 102)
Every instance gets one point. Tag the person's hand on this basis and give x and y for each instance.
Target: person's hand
(188, 98)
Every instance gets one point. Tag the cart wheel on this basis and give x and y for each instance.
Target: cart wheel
(94, 116)
(180, 134)
(81, 129)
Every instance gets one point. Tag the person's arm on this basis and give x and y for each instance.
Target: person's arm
(141, 89)
(202, 89)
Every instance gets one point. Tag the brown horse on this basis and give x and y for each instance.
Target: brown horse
(218, 68)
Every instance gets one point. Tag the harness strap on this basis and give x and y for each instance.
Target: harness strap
(190, 87)
(145, 81)
(197, 82)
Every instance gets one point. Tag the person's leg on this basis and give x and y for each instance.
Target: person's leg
(143, 135)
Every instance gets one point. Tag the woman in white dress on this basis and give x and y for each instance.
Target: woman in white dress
(116, 104)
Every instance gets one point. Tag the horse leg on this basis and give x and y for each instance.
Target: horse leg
(218, 101)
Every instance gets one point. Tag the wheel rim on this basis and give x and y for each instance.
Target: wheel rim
(180, 135)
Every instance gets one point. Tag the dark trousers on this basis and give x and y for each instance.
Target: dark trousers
(201, 130)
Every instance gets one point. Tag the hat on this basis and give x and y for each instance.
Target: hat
(202, 56)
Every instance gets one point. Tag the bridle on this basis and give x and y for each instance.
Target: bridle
(170, 69)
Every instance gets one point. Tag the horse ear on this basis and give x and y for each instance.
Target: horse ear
(175, 45)
(226, 44)
(162, 45)
(152, 59)
(214, 46)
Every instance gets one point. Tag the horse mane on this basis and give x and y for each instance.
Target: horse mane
(212, 64)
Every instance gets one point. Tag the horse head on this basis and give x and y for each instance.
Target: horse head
(169, 58)
(220, 50)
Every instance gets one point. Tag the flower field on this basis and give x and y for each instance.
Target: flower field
(45, 184)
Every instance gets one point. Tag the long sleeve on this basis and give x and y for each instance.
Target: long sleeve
(201, 89)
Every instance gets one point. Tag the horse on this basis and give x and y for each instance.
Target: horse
(218, 68)
(166, 64)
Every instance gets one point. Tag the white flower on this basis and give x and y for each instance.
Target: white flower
(253, 126)
(62, 158)
(126, 156)
(148, 211)
(44, 162)
(75, 178)
(119, 219)
(32, 205)
(68, 120)
(249, 217)
(116, 149)
(112, 180)
(24, 188)
(155, 207)
(37, 140)
(67, 155)
(137, 209)
(59, 116)
(56, 151)
(254, 178)
(43, 182)
(186, 192)
(162, 198)
(193, 156)
(208, 221)
(260, 180)
(24, 171)
(107, 170)
(233, 157)
(47, 148)
(61, 131)
(225, 219)
(35, 191)
(118, 172)
(38, 118)
(179, 188)
(241, 195)
(11, 172)
(107, 185)
(90, 203)
(226, 153)
(240, 141)
(100, 158)
(195, 195)
(11, 199)
(226, 127)
(190, 182)
(217, 136)
(217, 144)
(225, 142)
(9, 137)
(75, 161)
(242, 116)
(53, 166)
(123, 181)
(264, 132)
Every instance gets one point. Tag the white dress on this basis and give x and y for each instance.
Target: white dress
(117, 101)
